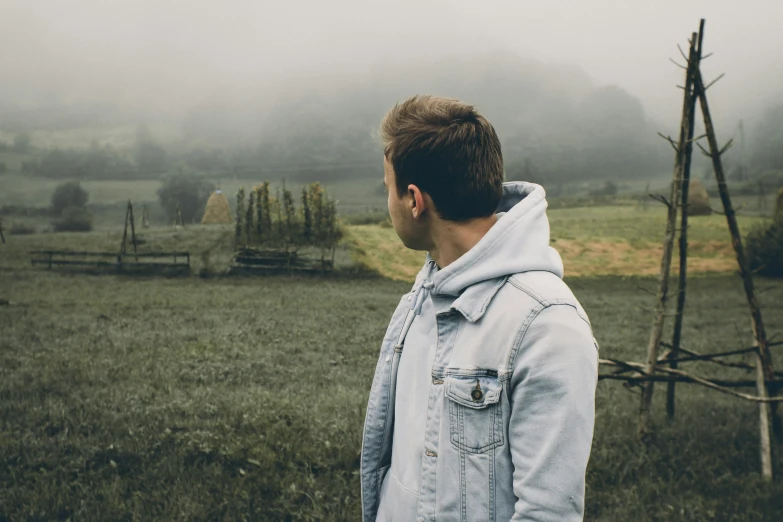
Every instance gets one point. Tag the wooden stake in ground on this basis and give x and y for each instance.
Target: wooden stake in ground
(124, 244)
(668, 244)
(765, 369)
(145, 217)
(133, 228)
(179, 221)
(683, 279)
(129, 221)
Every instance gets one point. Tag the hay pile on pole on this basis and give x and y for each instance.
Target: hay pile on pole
(217, 210)
(698, 199)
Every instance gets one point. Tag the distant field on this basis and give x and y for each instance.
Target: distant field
(617, 240)
(353, 196)
(119, 136)
(623, 239)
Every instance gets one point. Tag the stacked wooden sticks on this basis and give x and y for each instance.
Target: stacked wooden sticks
(767, 382)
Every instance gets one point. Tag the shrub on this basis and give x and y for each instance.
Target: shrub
(189, 191)
(20, 229)
(74, 219)
(764, 246)
(609, 189)
(68, 195)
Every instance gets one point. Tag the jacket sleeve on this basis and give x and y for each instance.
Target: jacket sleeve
(552, 396)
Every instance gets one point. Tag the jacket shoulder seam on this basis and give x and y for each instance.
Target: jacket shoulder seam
(519, 338)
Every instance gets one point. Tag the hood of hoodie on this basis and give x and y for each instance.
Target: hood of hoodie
(517, 242)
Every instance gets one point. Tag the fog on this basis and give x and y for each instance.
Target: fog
(170, 54)
(307, 80)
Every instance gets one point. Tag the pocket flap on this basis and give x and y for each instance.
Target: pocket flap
(473, 392)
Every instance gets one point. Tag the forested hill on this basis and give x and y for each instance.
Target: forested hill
(553, 121)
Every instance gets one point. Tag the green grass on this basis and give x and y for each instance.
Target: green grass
(608, 240)
(631, 223)
(243, 398)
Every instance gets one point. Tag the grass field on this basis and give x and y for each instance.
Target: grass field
(243, 399)
(615, 240)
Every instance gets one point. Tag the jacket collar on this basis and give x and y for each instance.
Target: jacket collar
(474, 300)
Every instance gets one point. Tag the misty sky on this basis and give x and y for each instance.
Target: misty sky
(170, 53)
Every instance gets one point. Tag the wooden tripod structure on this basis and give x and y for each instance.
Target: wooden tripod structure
(129, 222)
(767, 381)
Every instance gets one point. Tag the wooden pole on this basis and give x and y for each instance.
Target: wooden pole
(764, 361)
(668, 245)
(765, 416)
(125, 231)
(683, 279)
(133, 228)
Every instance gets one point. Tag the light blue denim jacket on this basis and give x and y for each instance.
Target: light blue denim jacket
(517, 449)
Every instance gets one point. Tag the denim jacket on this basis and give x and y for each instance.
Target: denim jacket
(510, 408)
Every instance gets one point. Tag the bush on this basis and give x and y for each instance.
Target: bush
(609, 190)
(74, 219)
(764, 246)
(189, 191)
(69, 195)
(20, 229)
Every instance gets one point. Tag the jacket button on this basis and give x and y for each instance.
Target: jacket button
(430, 453)
(477, 395)
(435, 380)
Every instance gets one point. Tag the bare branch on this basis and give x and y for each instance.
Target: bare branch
(703, 150)
(639, 368)
(662, 199)
(726, 147)
(713, 82)
(707, 56)
(694, 140)
(671, 142)
(677, 64)
(683, 53)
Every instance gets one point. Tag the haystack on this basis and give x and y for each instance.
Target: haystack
(217, 210)
(698, 199)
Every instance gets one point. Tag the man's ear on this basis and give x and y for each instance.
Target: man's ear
(417, 198)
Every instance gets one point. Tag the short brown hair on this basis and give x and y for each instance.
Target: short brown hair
(448, 150)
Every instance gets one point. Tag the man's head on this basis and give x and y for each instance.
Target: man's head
(442, 163)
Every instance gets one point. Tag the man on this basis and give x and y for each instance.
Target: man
(482, 404)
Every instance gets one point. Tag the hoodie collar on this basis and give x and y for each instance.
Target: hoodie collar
(517, 242)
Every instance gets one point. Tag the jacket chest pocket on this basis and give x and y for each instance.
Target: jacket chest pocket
(475, 413)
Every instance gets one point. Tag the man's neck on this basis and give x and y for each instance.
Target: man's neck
(452, 240)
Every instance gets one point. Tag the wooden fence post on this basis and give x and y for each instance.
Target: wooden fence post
(668, 245)
(683, 278)
(764, 362)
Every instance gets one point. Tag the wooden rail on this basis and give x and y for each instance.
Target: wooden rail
(119, 261)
